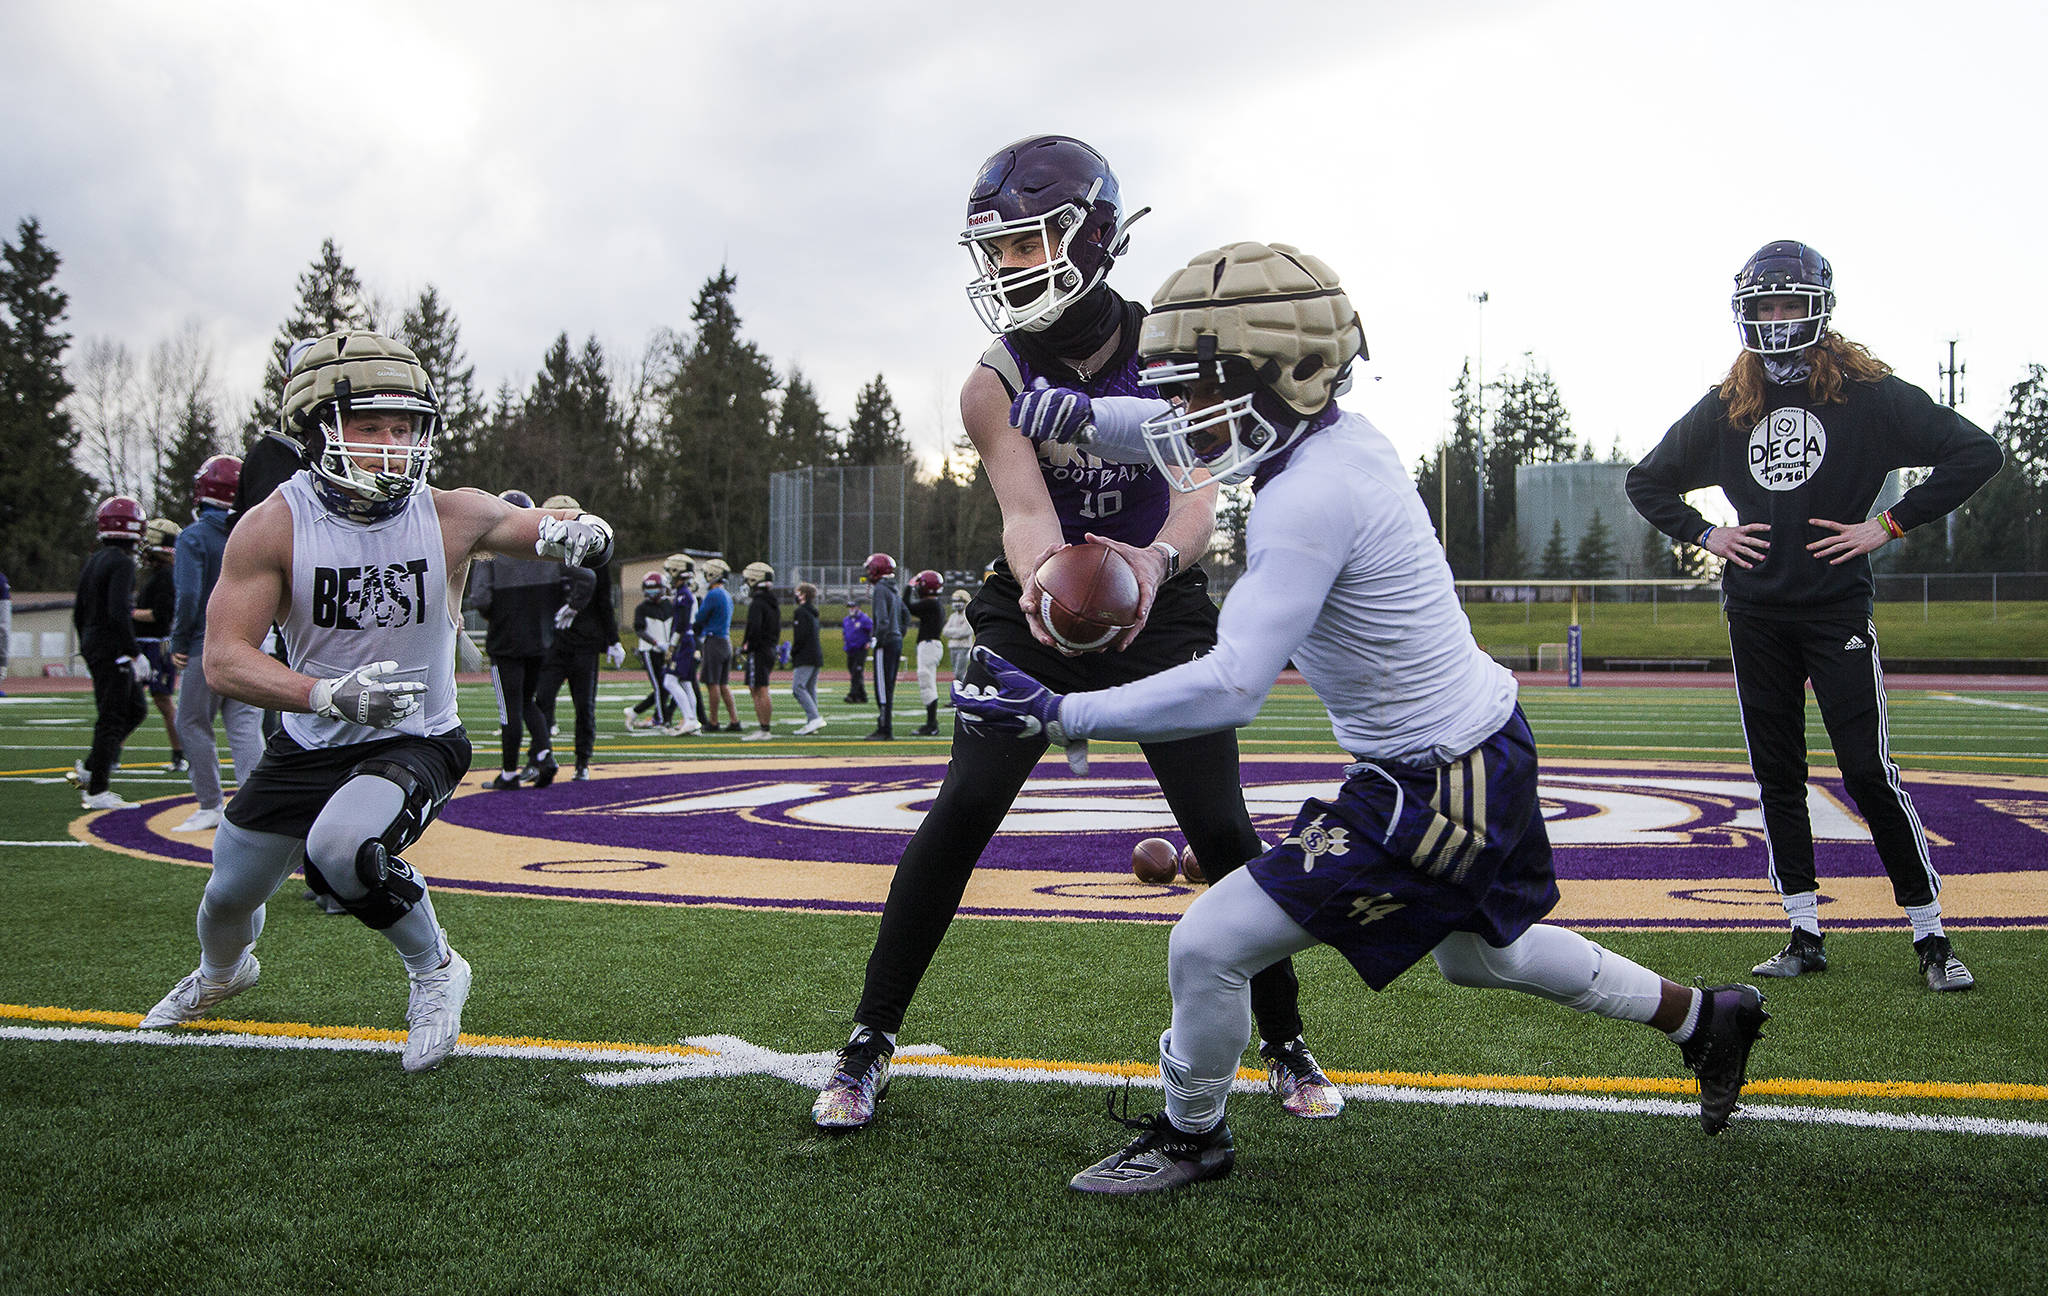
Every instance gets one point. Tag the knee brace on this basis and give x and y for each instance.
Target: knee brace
(421, 803)
(390, 886)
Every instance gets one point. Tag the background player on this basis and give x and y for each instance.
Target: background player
(652, 623)
(517, 597)
(197, 561)
(890, 619)
(361, 563)
(102, 613)
(1436, 844)
(1800, 436)
(758, 644)
(156, 606)
(930, 614)
(713, 627)
(1045, 223)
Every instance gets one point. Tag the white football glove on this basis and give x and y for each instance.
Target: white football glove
(365, 697)
(563, 616)
(573, 539)
(616, 655)
(138, 666)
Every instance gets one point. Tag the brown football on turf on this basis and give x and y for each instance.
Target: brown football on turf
(1153, 860)
(1088, 595)
(1190, 867)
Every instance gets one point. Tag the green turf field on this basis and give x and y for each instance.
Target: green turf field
(2009, 630)
(243, 1169)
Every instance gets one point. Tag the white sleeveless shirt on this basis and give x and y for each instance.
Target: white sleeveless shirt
(365, 593)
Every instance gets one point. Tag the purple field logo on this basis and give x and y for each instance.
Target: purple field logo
(1662, 845)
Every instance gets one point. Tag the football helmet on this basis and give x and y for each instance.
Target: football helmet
(351, 372)
(715, 570)
(1063, 191)
(878, 566)
(678, 567)
(160, 538)
(757, 573)
(1783, 269)
(516, 498)
(1270, 329)
(561, 502)
(119, 517)
(216, 483)
(928, 583)
(961, 598)
(653, 585)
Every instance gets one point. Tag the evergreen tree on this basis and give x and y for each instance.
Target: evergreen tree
(196, 440)
(44, 529)
(1529, 426)
(804, 437)
(874, 435)
(1556, 563)
(1594, 558)
(2004, 526)
(435, 336)
(717, 431)
(1659, 557)
(331, 297)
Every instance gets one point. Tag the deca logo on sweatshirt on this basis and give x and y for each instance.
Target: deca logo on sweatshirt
(370, 598)
(1786, 449)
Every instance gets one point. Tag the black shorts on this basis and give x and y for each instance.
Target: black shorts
(758, 668)
(715, 651)
(291, 783)
(1181, 628)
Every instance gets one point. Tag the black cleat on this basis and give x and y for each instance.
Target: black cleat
(506, 781)
(1161, 1157)
(1731, 1022)
(1939, 964)
(1801, 955)
(542, 771)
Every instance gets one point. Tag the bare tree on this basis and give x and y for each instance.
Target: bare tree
(105, 407)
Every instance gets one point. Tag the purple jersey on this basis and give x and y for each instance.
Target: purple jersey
(1125, 502)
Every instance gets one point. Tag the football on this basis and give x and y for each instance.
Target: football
(1190, 867)
(1153, 860)
(1088, 595)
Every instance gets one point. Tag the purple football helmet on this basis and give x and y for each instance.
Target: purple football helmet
(1060, 189)
(1783, 269)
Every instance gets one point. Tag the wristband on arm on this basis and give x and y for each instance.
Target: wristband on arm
(1897, 532)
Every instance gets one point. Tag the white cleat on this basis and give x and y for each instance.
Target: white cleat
(195, 996)
(107, 800)
(635, 721)
(200, 821)
(756, 735)
(433, 1016)
(811, 726)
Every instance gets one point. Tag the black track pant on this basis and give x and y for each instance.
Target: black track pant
(515, 679)
(121, 708)
(1199, 777)
(856, 666)
(888, 658)
(657, 699)
(579, 668)
(1773, 662)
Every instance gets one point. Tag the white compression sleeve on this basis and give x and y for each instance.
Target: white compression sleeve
(1555, 964)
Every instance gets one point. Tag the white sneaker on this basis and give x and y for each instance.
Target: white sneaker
(757, 735)
(107, 800)
(635, 722)
(200, 821)
(433, 1015)
(191, 998)
(811, 726)
(693, 727)
(75, 776)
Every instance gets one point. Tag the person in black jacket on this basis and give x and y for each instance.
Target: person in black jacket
(156, 605)
(102, 615)
(806, 658)
(757, 649)
(586, 624)
(1801, 436)
(517, 597)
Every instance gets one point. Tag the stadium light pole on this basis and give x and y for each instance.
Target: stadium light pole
(1479, 430)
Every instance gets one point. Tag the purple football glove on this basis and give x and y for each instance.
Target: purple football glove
(1016, 704)
(1056, 414)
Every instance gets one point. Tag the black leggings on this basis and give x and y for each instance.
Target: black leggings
(579, 668)
(1199, 777)
(121, 708)
(515, 679)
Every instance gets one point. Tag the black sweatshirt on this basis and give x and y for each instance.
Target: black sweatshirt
(1805, 461)
(105, 603)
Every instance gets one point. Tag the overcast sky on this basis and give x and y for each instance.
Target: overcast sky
(1600, 170)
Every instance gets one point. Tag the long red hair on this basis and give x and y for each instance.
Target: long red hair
(1835, 360)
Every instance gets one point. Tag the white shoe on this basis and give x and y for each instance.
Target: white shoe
(200, 821)
(107, 800)
(191, 998)
(811, 726)
(691, 728)
(433, 1015)
(634, 722)
(757, 735)
(75, 776)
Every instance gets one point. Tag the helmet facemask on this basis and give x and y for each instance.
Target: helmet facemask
(1030, 298)
(1783, 269)
(1222, 441)
(378, 472)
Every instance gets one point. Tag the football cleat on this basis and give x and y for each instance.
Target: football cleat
(178, 765)
(1801, 955)
(541, 771)
(1299, 1081)
(634, 720)
(200, 821)
(194, 996)
(757, 735)
(1731, 1022)
(107, 800)
(1161, 1157)
(433, 1013)
(1939, 964)
(582, 774)
(859, 1079)
(505, 781)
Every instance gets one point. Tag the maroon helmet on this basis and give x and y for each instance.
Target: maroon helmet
(120, 518)
(928, 583)
(218, 480)
(878, 566)
(653, 584)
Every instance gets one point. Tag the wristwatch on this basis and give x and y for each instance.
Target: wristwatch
(1172, 559)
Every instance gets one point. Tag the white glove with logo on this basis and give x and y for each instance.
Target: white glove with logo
(365, 697)
(574, 539)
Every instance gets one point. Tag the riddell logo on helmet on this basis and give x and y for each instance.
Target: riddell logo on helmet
(389, 371)
(981, 218)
